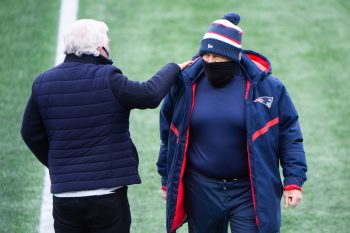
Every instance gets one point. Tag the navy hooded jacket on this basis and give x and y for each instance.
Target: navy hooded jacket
(77, 122)
(273, 137)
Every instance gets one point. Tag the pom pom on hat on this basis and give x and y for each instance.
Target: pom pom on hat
(223, 38)
(233, 18)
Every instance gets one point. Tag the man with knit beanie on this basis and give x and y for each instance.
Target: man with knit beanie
(225, 128)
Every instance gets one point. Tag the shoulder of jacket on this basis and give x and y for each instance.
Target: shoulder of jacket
(272, 83)
(109, 69)
(41, 77)
(273, 80)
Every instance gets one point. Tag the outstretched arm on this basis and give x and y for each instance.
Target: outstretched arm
(148, 94)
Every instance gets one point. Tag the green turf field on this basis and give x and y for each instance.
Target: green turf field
(307, 43)
(28, 39)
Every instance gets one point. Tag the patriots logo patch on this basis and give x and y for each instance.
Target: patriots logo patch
(266, 100)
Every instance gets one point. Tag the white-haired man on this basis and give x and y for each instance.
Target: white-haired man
(76, 123)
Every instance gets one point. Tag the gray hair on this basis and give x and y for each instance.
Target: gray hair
(85, 36)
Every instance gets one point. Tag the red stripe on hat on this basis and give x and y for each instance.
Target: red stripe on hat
(235, 41)
(240, 32)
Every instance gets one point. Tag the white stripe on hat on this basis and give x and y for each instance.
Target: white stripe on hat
(227, 23)
(221, 38)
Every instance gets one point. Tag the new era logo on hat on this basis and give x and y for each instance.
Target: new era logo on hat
(210, 46)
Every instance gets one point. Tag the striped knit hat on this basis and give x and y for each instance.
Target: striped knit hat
(224, 38)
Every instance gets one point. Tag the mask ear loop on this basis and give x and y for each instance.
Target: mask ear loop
(105, 50)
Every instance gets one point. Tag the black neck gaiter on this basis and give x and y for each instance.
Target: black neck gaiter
(220, 73)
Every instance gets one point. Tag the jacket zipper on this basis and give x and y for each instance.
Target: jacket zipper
(248, 85)
(252, 185)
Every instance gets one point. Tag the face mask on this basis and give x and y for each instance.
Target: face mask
(220, 73)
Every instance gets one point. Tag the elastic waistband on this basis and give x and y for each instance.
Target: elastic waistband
(225, 180)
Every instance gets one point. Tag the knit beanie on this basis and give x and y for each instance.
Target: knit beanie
(223, 38)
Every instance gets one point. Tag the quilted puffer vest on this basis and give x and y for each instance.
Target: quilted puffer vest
(88, 130)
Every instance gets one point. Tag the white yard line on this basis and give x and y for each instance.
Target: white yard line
(68, 14)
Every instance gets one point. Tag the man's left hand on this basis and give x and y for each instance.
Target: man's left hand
(292, 197)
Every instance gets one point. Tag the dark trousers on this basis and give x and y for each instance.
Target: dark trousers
(213, 203)
(95, 214)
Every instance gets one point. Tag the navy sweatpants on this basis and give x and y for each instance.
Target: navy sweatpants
(212, 204)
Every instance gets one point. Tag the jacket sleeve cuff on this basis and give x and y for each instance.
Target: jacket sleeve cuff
(172, 67)
(293, 181)
(164, 188)
(164, 181)
(291, 187)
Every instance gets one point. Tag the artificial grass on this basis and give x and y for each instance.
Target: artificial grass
(28, 36)
(306, 42)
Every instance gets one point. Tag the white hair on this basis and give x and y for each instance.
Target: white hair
(85, 36)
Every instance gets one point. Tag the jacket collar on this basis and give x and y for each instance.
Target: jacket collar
(97, 60)
(194, 71)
